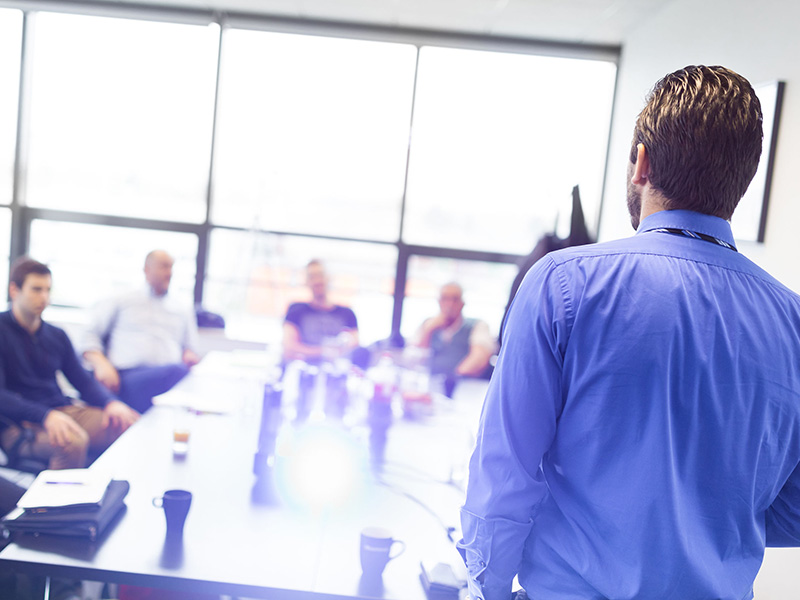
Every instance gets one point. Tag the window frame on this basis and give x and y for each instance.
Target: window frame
(22, 216)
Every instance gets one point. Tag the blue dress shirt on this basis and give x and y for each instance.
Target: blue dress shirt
(640, 438)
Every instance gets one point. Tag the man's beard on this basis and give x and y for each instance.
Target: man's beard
(634, 200)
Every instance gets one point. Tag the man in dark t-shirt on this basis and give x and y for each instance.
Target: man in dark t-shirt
(317, 324)
(318, 329)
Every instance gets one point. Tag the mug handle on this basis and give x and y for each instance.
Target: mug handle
(402, 549)
(158, 502)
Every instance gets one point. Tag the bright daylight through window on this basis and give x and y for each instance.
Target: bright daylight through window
(388, 160)
(499, 142)
(10, 45)
(312, 134)
(126, 130)
(100, 261)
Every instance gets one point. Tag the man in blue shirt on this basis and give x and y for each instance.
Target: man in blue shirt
(640, 438)
(31, 352)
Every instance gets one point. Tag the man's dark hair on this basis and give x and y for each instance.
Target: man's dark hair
(701, 128)
(24, 266)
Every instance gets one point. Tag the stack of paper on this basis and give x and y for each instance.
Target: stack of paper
(65, 488)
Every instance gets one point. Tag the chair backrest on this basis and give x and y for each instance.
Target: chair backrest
(206, 318)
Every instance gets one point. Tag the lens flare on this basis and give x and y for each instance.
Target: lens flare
(320, 467)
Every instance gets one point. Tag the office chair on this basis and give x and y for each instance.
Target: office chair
(28, 464)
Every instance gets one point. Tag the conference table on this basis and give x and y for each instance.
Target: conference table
(303, 540)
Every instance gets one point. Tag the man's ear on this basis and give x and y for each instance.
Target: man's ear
(13, 290)
(641, 170)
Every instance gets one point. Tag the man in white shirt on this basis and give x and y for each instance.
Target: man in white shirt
(459, 347)
(142, 343)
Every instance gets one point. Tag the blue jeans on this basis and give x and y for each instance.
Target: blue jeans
(138, 385)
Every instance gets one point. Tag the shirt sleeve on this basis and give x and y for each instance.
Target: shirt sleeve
(517, 426)
(783, 517)
(481, 336)
(350, 320)
(100, 321)
(90, 390)
(293, 314)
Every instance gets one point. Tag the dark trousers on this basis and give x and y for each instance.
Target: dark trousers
(138, 385)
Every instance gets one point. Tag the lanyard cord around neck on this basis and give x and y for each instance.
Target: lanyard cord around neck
(698, 236)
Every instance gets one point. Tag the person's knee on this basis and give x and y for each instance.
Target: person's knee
(72, 452)
(178, 371)
(77, 441)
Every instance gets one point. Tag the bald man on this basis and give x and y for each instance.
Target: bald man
(459, 347)
(140, 344)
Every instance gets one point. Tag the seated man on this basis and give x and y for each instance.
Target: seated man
(142, 343)
(459, 347)
(319, 329)
(31, 352)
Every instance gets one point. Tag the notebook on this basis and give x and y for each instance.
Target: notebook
(72, 488)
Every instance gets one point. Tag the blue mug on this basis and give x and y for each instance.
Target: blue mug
(176, 505)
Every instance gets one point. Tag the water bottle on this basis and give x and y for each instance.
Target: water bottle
(263, 461)
(379, 415)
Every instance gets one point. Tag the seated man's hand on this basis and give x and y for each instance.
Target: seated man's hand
(440, 321)
(190, 358)
(347, 340)
(61, 428)
(119, 415)
(106, 374)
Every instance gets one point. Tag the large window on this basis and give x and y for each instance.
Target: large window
(121, 116)
(246, 152)
(253, 277)
(10, 47)
(93, 262)
(312, 134)
(499, 141)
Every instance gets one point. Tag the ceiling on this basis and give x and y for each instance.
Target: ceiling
(575, 21)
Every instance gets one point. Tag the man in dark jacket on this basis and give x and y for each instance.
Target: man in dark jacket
(31, 353)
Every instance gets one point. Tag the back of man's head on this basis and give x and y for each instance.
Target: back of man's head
(24, 266)
(701, 129)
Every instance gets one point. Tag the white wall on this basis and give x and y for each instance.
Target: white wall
(758, 40)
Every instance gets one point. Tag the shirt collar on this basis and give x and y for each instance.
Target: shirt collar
(16, 324)
(687, 219)
(151, 294)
